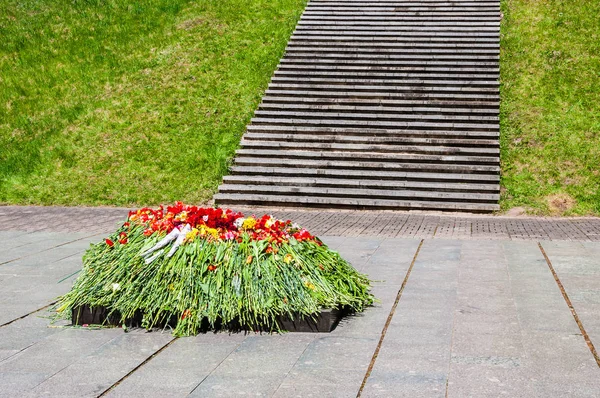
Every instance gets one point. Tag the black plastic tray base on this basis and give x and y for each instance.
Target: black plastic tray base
(325, 322)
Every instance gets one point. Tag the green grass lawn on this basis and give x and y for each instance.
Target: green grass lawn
(123, 102)
(550, 106)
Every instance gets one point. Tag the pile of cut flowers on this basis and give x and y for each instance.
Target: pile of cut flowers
(211, 266)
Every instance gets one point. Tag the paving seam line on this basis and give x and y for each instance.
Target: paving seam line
(29, 313)
(51, 248)
(453, 322)
(389, 320)
(215, 368)
(586, 337)
(145, 361)
(294, 365)
(17, 353)
(64, 367)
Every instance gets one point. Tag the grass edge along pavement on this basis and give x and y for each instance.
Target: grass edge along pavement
(550, 106)
(215, 266)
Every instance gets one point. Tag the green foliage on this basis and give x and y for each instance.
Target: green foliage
(550, 106)
(215, 281)
(129, 102)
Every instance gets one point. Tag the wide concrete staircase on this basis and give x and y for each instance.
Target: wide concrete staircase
(384, 104)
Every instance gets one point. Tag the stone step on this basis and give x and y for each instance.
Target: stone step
(372, 140)
(397, 55)
(448, 71)
(436, 105)
(375, 108)
(382, 132)
(459, 20)
(373, 81)
(382, 88)
(373, 48)
(318, 201)
(466, 54)
(401, 16)
(384, 175)
(405, 163)
(366, 193)
(315, 92)
(423, 11)
(379, 116)
(379, 21)
(391, 10)
(441, 45)
(402, 28)
(422, 15)
(271, 180)
(401, 3)
(493, 127)
(368, 156)
(378, 148)
(341, 37)
(399, 35)
(389, 63)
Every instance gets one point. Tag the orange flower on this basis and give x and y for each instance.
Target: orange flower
(249, 259)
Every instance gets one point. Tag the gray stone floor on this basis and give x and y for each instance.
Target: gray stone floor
(480, 316)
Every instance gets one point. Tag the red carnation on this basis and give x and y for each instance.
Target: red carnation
(109, 242)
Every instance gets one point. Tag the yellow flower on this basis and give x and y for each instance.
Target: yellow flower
(288, 258)
(182, 216)
(249, 223)
(309, 285)
(249, 259)
(190, 236)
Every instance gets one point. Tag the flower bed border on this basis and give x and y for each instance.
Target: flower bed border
(324, 322)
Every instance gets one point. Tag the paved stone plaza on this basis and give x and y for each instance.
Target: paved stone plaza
(470, 307)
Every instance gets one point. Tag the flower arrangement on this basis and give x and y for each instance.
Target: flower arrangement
(215, 266)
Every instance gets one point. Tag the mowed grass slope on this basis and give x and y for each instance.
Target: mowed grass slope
(550, 106)
(130, 102)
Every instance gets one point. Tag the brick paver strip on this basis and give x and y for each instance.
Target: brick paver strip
(385, 224)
